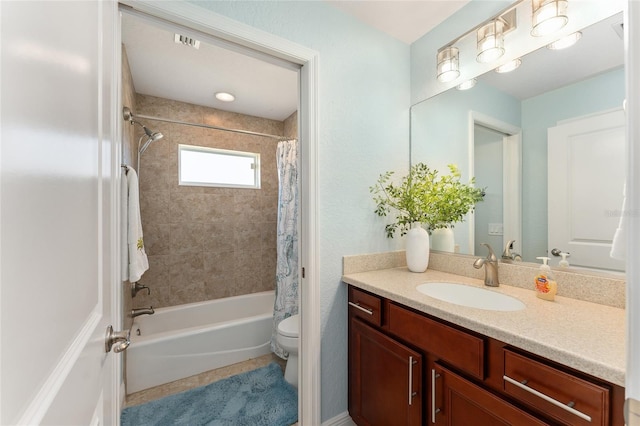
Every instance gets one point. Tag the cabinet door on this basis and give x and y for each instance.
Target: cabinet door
(459, 402)
(384, 379)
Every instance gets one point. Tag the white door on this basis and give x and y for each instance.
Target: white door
(57, 204)
(586, 187)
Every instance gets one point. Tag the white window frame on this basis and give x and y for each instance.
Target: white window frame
(245, 154)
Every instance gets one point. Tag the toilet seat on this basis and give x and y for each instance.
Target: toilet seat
(288, 327)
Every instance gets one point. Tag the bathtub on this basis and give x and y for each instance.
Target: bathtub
(180, 341)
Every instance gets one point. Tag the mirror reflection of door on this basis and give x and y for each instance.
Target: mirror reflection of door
(497, 167)
(488, 173)
(585, 187)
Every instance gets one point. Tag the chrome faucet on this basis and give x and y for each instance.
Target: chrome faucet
(490, 267)
(142, 311)
(507, 254)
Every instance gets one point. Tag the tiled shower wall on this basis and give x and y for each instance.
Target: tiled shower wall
(203, 242)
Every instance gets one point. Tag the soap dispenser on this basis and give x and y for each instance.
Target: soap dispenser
(564, 263)
(546, 286)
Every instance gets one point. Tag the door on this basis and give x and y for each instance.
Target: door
(585, 184)
(384, 379)
(57, 207)
(459, 402)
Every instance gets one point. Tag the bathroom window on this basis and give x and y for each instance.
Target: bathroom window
(199, 166)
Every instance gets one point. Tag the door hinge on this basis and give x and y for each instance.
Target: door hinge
(303, 272)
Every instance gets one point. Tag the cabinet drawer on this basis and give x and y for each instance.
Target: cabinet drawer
(365, 306)
(455, 347)
(558, 394)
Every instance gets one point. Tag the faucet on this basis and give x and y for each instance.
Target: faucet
(490, 267)
(136, 287)
(507, 254)
(142, 311)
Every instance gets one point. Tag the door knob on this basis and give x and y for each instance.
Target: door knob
(556, 252)
(118, 340)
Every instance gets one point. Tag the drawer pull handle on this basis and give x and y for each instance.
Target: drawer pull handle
(566, 407)
(357, 306)
(411, 362)
(434, 410)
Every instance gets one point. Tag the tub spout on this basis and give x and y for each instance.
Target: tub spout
(142, 311)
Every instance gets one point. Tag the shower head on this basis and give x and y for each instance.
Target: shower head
(151, 137)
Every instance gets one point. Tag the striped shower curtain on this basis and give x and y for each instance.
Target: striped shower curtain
(286, 303)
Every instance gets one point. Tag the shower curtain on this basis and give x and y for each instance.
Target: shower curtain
(286, 303)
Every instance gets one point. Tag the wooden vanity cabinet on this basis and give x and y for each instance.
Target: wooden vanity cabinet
(385, 379)
(407, 368)
(459, 402)
(385, 376)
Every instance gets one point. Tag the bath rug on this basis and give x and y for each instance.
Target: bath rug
(255, 398)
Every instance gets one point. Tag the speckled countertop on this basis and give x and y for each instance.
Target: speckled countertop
(583, 335)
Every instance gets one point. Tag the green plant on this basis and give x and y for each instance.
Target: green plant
(423, 196)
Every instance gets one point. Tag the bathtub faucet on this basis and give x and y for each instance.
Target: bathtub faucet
(142, 311)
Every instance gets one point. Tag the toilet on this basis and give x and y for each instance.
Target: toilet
(288, 332)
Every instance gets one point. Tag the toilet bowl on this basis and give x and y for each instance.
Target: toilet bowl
(287, 338)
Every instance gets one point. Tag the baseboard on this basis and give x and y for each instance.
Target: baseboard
(343, 419)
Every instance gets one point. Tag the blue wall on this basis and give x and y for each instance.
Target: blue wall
(364, 131)
(440, 131)
(423, 50)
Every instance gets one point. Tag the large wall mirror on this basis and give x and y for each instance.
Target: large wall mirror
(547, 141)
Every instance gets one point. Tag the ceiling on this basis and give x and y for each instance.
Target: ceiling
(405, 20)
(160, 67)
(163, 68)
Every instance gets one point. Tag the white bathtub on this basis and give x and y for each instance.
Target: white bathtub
(180, 341)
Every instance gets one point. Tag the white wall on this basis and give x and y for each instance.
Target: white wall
(364, 131)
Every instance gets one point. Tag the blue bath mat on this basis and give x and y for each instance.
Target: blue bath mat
(254, 398)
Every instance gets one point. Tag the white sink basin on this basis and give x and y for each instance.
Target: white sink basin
(473, 297)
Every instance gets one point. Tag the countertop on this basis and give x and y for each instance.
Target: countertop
(582, 335)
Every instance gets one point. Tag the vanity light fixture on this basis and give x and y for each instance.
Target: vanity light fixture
(509, 66)
(225, 97)
(467, 84)
(548, 16)
(448, 68)
(490, 41)
(565, 42)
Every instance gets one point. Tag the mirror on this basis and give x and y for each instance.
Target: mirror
(497, 132)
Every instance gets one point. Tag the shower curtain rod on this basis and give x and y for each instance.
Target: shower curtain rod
(209, 126)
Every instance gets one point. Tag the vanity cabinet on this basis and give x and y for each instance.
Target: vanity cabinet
(459, 402)
(408, 368)
(385, 376)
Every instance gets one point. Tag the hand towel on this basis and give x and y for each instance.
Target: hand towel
(619, 245)
(138, 262)
(124, 226)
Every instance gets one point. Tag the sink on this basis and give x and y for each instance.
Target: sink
(473, 297)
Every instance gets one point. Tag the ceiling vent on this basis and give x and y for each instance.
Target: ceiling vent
(187, 41)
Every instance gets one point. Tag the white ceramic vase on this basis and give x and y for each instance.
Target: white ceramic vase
(417, 248)
(443, 240)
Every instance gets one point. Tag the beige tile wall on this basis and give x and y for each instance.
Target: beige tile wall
(291, 126)
(203, 242)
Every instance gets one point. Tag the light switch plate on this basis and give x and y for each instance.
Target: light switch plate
(495, 229)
